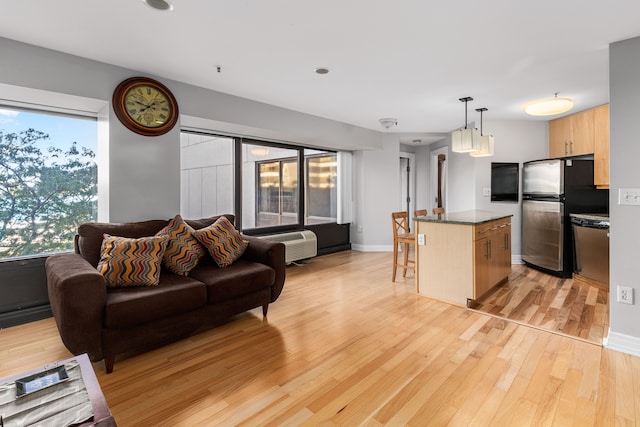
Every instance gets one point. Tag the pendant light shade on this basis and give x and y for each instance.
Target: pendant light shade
(549, 106)
(486, 141)
(465, 140)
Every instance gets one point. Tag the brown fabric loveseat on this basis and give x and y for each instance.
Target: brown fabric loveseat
(104, 322)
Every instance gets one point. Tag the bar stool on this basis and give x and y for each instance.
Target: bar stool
(437, 211)
(402, 236)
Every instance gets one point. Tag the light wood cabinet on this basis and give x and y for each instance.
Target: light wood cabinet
(583, 133)
(572, 135)
(601, 147)
(462, 261)
(492, 255)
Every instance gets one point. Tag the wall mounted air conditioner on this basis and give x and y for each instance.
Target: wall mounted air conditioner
(298, 244)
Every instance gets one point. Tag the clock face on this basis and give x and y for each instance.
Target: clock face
(145, 106)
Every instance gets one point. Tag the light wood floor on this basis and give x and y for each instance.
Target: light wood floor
(576, 307)
(346, 346)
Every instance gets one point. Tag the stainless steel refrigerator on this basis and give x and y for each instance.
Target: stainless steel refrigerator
(551, 190)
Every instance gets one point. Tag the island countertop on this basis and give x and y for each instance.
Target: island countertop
(473, 217)
(460, 256)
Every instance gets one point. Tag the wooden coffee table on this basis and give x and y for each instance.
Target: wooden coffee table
(101, 414)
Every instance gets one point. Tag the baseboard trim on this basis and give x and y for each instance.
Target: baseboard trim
(622, 343)
(26, 315)
(371, 248)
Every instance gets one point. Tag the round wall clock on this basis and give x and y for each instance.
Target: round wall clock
(145, 106)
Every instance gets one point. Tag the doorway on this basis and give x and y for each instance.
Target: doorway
(407, 185)
(439, 178)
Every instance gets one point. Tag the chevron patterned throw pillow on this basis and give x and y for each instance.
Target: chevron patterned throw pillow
(183, 249)
(223, 241)
(128, 262)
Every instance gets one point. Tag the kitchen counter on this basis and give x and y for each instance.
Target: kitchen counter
(475, 217)
(460, 256)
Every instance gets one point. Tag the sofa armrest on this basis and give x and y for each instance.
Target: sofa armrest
(77, 294)
(269, 253)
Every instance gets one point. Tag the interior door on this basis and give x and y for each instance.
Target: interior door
(407, 185)
(439, 178)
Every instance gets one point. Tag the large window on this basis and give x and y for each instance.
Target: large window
(268, 176)
(321, 187)
(48, 180)
(270, 191)
(207, 175)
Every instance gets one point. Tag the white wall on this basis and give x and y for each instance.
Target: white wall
(624, 83)
(515, 141)
(376, 196)
(144, 172)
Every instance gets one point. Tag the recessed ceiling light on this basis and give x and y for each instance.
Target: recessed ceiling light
(158, 4)
(321, 70)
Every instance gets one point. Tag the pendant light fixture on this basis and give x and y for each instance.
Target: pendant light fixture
(486, 141)
(549, 106)
(465, 140)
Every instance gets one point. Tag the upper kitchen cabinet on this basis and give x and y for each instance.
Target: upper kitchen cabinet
(583, 133)
(601, 147)
(572, 135)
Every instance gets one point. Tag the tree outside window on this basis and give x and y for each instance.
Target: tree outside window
(48, 181)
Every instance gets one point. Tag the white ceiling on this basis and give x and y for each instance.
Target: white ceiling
(407, 59)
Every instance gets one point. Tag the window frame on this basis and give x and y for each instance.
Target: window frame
(55, 111)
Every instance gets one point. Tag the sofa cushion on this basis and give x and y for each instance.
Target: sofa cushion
(183, 249)
(90, 235)
(223, 241)
(174, 294)
(240, 278)
(131, 262)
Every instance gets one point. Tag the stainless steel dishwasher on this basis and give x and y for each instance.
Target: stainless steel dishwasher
(591, 244)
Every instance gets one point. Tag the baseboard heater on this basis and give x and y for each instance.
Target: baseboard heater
(299, 245)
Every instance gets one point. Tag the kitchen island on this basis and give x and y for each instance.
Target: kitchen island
(462, 255)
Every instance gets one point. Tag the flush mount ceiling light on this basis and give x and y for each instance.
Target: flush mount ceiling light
(465, 140)
(158, 4)
(486, 141)
(549, 106)
(321, 70)
(388, 122)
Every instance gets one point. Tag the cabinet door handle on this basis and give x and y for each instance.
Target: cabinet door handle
(565, 147)
(570, 147)
(486, 249)
(506, 241)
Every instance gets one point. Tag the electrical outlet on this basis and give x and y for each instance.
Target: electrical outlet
(625, 295)
(486, 192)
(421, 239)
